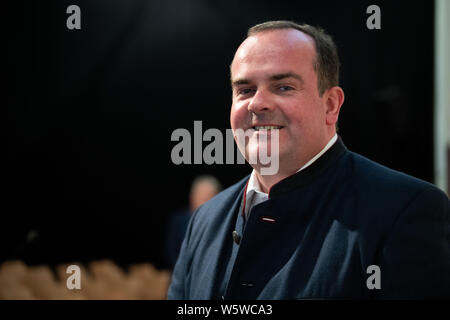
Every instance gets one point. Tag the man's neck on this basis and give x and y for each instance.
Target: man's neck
(267, 181)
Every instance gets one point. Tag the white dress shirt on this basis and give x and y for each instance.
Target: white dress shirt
(255, 195)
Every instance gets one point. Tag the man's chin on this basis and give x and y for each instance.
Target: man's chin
(261, 156)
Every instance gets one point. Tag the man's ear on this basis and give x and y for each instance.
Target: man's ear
(334, 101)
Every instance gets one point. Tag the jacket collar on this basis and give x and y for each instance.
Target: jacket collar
(308, 174)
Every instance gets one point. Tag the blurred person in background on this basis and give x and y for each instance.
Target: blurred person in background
(203, 188)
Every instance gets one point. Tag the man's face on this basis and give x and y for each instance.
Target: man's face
(274, 84)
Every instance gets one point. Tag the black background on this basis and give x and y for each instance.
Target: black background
(90, 112)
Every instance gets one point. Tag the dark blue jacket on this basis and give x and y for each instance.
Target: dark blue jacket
(327, 224)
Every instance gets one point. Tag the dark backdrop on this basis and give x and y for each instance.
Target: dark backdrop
(90, 113)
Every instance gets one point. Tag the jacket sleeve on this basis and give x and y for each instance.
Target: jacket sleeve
(415, 260)
(178, 289)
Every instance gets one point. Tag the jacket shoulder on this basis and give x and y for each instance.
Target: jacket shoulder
(379, 179)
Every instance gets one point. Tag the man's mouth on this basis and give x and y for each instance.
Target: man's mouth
(257, 128)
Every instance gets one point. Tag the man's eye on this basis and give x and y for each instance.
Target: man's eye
(244, 91)
(285, 88)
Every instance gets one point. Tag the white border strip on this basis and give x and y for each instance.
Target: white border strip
(441, 92)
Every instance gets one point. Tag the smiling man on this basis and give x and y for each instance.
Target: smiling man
(275, 83)
(329, 223)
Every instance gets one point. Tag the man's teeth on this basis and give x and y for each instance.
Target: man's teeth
(266, 127)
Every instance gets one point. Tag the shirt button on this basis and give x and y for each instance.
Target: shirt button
(236, 237)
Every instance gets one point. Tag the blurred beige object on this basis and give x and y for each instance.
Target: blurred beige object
(42, 283)
(12, 287)
(143, 271)
(61, 272)
(72, 294)
(102, 280)
(107, 271)
(108, 281)
(153, 283)
(15, 269)
(162, 284)
(101, 290)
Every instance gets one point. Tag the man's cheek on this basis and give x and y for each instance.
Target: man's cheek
(252, 150)
(237, 121)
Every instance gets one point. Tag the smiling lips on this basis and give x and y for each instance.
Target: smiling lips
(257, 128)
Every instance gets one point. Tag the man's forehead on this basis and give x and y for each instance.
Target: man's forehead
(283, 47)
(271, 41)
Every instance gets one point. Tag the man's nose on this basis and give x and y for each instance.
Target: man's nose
(260, 102)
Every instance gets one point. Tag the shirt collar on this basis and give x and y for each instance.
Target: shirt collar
(317, 156)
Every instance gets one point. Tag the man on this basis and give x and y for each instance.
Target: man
(203, 188)
(330, 223)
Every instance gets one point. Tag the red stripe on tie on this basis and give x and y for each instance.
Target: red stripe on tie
(245, 198)
(268, 219)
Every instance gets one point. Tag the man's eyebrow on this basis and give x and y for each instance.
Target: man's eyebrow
(240, 82)
(275, 77)
(280, 76)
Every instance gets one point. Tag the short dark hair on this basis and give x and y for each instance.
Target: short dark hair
(326, 63)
